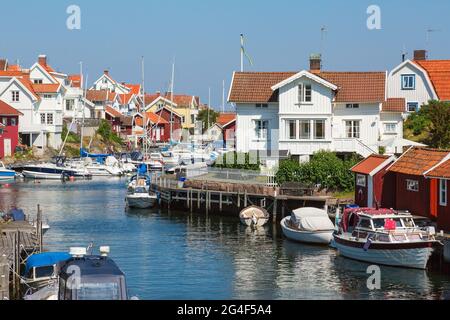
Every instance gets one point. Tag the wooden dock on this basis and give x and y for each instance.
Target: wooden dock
(207, 200)
(18, 240)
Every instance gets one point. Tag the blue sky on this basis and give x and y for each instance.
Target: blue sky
(203, 36)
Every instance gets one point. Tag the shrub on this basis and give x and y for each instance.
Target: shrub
(107, 134)
(72, 138)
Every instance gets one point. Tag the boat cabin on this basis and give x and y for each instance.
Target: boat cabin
(43, 267)
(99, 279)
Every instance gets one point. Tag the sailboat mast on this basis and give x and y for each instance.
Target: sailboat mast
(223, 96)
(171, 100)
(143, 103)
(82, 101)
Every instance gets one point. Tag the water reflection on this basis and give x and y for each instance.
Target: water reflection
(178, 255)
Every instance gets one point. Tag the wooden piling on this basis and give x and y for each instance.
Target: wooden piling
(245, 199)
(220, 201)
(274, 213)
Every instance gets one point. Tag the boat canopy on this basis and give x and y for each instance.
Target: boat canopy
(350, 218)
(312, 219)
(99, 157)
(45, 259)
(16, 214)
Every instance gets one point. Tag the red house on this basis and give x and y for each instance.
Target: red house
(113, 116)
(9, 129)
(177, 122)
(227, 121)
(418, 181)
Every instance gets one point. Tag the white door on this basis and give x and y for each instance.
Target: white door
(7, 148)
(158, 134)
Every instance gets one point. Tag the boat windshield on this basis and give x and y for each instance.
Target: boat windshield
(99, 291)
(140, 190)
(381, 223)
(44, 272)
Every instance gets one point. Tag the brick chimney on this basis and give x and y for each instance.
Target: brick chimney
(315, 63)
(42, 60)
(420, 55)
(106, 72)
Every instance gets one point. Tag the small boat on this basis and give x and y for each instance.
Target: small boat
(98, 278)
(254, 216)
(139, 195)
(308, 225)
(16, 214)
(54, 171)
(385, 237)
(6, 174)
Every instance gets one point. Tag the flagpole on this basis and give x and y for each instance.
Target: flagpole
(223, 96)
(171, 99)
(242, 52)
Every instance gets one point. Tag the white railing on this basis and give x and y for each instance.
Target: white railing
(353, 145)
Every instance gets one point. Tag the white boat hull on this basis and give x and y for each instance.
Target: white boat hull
(41, 175)
(140, 201)
(317, 237)
(415, 258)
(250, 223)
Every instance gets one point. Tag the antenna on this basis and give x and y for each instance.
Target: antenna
(428, 32)
(323, 31)
(404, 54)
(223, 96)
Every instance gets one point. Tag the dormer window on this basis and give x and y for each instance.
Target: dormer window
(15, 96)
(408, 82)
(262, 105)
(304, 93)
(352, 106)
(37, 81)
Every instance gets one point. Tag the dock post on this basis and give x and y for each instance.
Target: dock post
(245, 199)
(39, 228)
(220, 201)
(207, 202)
(274, 214)
(239, 199)
(199, 197)
(283, 209)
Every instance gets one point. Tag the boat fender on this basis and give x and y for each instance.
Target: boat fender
(368, 243)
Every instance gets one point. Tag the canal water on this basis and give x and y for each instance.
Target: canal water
(182, 256)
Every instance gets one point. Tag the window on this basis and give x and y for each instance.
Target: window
(319, 129)
(390, 127)
(49, 118)
(261, 129)
(353, 129)
(365, 223)
(262, 105)
(48, 96)
(15, 96)
(183, 119)
(192, 118)
(304, 93)
(305, 129)
(360, 180)
(443, 193)
(408, 82)
(5, 121)
(352, 106)
(13, 122)
(412, 185)
(70, 104)
(412, 106)
(291, 129)
(37, 81)
(43, 118)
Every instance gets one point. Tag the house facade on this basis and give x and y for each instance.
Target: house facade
(9, 129)
(419, 81)
(304, 112)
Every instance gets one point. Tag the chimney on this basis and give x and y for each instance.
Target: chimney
(315, 63)
(106, 72)
(42, 60)
(420, 55)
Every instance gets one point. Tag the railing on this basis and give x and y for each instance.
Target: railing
(353, 145)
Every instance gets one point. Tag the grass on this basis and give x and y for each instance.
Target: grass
(345, 195)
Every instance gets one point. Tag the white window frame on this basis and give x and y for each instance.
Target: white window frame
(37, 81)
(262, 105)
(361, 180)
(443, 193)
(51, 117)
(288, 129)
(47, 96)
(43, 118)
(388, 124)
(353, 134)
(410, 103)
(300, 128)
(352, 106)
(305, 93)
(261, 133)
(15, 96)
(412, 185)
(408, 87)
(314, 122)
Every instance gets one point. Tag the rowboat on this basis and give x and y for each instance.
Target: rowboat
(254, 216)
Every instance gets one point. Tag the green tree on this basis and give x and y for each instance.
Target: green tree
(107, 134)
(203, 117)
(438, 115)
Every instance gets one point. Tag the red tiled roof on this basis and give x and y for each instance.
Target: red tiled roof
(439, 74)
(154, 118)
(418, 160)
(369, 164)
(7, 110)
(357, 86)
(3, 64)
(76, 80)
(10, 73)
(441, 171)
(47, 67)
(46, 88)
(135, 88)
(100, 95)
(113, 112)
(226, 118)
(255, 87)
(14, 67)
(394, 105)
(125, 98)
(25, 80)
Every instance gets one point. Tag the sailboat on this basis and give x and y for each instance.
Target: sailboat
(139, 195)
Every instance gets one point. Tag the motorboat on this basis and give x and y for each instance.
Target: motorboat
(254, 216)
(385, 237)
(139, 195)
(111, 167)
(41, 271)
(98, 278)
(308, 225)
(16, 214)
(54, 171)
(6, 174)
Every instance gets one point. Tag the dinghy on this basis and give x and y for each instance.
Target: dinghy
(254, 216)
(309, 225)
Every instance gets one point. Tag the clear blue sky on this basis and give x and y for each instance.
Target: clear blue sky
(203, 36)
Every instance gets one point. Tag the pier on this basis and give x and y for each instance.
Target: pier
(18, 240)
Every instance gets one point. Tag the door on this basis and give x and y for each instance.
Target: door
(7, 148)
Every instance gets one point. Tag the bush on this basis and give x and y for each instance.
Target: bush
(72, 138)
(225, 163)
(107, 134)
(417, 123)
(324, 169)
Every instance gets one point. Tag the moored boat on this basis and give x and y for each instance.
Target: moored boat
(308, 225)
(6, 174)
(385, 237)
(254, 216)
(139, 195)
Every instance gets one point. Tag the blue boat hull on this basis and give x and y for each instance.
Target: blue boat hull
(7, 174)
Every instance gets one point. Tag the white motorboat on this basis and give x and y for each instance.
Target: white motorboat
(385, 237)
(139, 195)
(6, 174)
(254, 217)
(111, 167)
(50, 171)
(309, 225)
